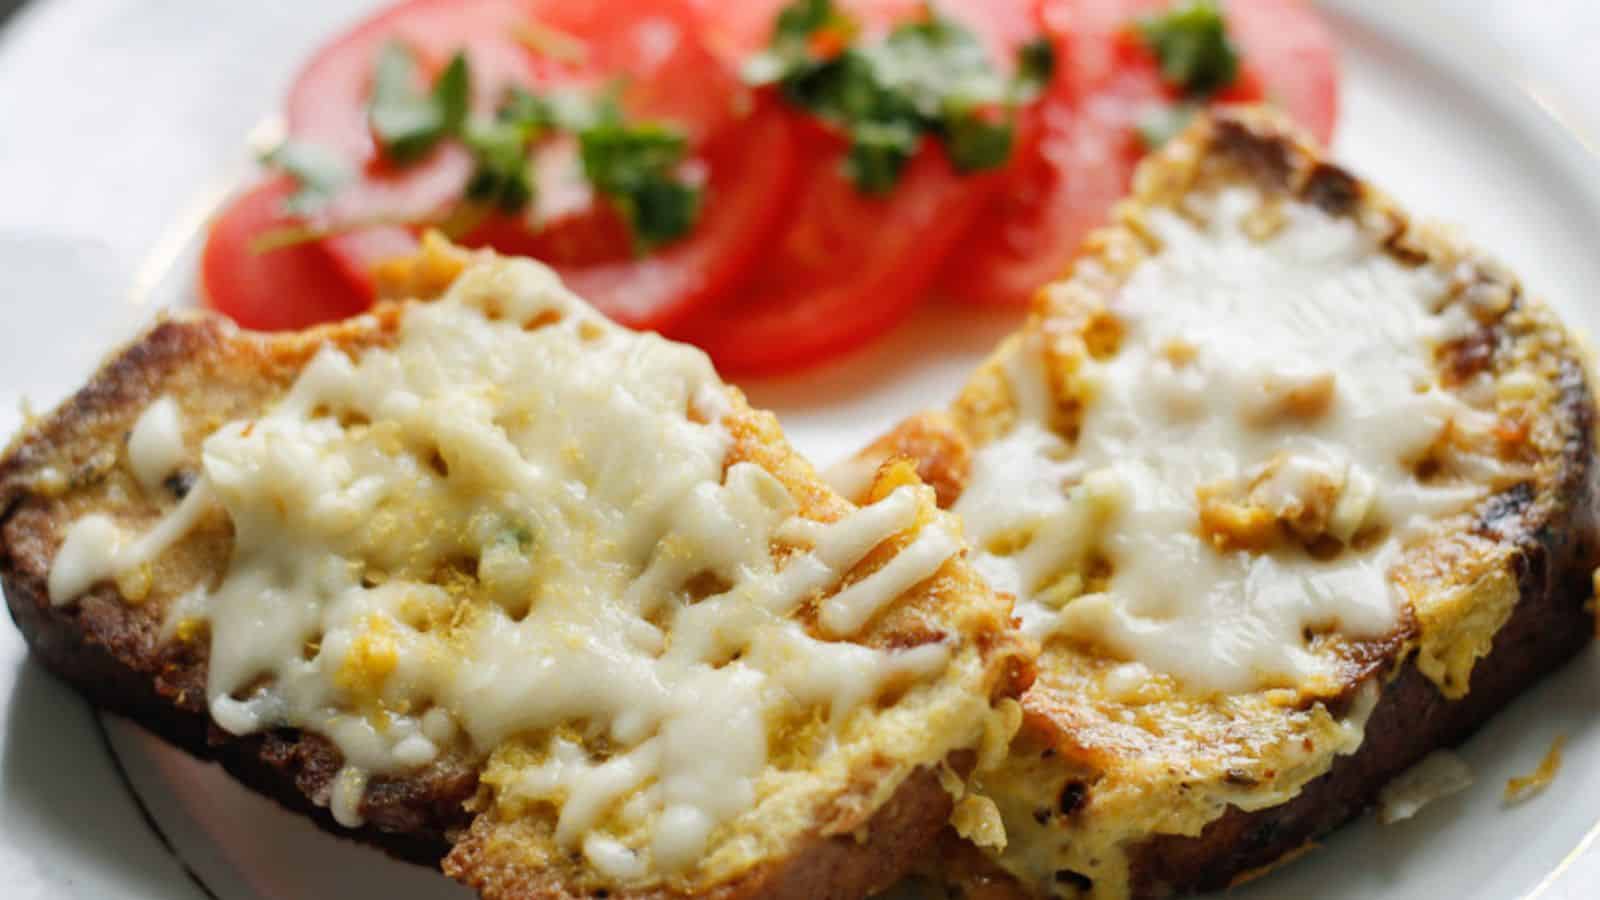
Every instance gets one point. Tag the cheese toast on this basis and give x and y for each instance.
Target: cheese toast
(1291, 490)
(489, 581)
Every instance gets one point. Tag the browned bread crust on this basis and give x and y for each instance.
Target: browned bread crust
(1541, 537)
(114, 649)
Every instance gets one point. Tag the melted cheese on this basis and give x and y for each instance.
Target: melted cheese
(519, 523)
(96, 548)
(155, 446)
(1295, 372)
(1440, 774)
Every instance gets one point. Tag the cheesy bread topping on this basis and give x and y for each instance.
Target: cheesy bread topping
(518, 522)
(1248, 456)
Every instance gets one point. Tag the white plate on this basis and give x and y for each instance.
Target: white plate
(93, 807)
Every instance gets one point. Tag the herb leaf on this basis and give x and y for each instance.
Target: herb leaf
(935, 64)
(503, 175)
(928, 78)
(409, 122)
(1036, 65)
(976, 142)
(1192, 45)
(636, 167)
(798, 21)
(316, 169)
(878, 154)
(801, 39)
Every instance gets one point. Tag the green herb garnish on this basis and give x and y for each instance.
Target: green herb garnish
(635, 165)
(318, 172)
(1191, 44)
(976, 142)
(794, 42)
(928, 78)
(410, 122)
(1036, 65)
(503, 176)
(878, 154)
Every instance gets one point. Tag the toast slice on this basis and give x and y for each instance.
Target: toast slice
(1292, 492)
(492, 581)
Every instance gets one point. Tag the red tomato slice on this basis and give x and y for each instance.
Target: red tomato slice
(849, 266)
(653, 49)
(1088, 143)
(1290, 50)
(288, 288)
(752, 171)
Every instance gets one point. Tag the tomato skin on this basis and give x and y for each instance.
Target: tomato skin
(1290, 50)
(288, 288)
(849, 267)
(1088, 145)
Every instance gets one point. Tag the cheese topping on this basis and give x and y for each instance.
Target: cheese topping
(155, 446)
(97, 548)
(1245, 471)
(518, 523)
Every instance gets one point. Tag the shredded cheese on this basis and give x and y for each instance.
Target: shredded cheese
(522, 520)
(1523, 787)
(1253, 405)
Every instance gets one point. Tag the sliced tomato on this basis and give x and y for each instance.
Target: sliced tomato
(1290, 51)
(288, 288)
(653, 49)
(1087, 143)
(751, 172)
(849, 266)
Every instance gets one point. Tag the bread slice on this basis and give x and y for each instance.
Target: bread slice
(492, 581)
(1292, 491)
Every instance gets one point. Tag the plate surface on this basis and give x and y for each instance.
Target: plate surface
(95, 808)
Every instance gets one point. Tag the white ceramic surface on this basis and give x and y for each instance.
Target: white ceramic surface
(1435, 111)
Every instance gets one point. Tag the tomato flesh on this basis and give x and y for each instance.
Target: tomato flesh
(850, 266)
(752, 172)
(288, 288)
(655, 51)
(1088, 143)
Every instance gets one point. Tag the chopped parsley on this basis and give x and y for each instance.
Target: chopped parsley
(927, 78)
(503, 175)
(318, 172)
(1036, 65)
(1192, 46)
(410, 122)
(634, 165)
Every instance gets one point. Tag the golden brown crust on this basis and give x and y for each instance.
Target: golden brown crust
(1501, 597)
(115, 650)
(832, 862)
